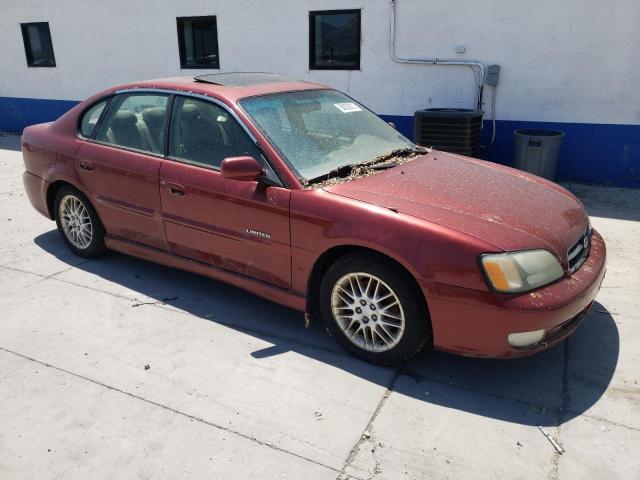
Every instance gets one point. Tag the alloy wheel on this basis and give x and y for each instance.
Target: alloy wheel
(368, 312)
(76, 222)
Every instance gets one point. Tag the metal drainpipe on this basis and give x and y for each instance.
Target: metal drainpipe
(477, 67)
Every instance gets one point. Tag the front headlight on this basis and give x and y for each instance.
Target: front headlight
(515, 272)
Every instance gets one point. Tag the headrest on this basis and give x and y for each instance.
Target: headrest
(154, 115)
(124, 118)
(190, 110)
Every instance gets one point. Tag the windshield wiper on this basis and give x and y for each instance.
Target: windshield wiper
(339, 171)
(377, 163)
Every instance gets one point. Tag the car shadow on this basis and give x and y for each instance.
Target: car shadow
(546, 389)
(606, 201)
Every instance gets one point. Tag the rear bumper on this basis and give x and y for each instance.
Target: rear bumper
(36, 189)
(478, 323)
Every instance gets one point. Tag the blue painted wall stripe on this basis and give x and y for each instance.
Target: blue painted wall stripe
(18, 113)
(597, 153)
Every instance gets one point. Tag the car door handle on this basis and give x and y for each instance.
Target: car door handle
(87, 166)
(176, 189)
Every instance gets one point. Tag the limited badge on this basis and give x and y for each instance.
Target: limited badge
(257, 233)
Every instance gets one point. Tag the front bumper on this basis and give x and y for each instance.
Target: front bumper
(478, 323)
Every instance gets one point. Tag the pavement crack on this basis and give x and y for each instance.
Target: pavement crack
(8, 192)
(366, 434)
(566, 391)
(41, 277)
(524, 403)
(162, 301)
(605, 420)
(563, 410)
(175, 411)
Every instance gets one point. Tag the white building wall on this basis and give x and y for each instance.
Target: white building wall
(569, 61)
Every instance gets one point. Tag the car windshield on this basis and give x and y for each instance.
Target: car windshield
(319, 131)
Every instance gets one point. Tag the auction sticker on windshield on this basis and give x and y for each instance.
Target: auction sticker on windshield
(347, 107)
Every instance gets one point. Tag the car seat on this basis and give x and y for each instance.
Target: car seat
(124, 131)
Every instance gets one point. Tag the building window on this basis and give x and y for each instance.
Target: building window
(198, 42)
(37, 44)
(334, 40)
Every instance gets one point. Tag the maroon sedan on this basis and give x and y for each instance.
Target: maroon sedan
(301, 195)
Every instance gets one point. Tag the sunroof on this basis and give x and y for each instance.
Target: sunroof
(238, 79)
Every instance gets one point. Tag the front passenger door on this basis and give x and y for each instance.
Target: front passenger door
(240, 226)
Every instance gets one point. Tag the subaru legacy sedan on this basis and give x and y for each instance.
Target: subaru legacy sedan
(297, 193)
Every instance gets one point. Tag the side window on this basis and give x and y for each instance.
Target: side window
(90, 118)
(136, 121)
(204, 133)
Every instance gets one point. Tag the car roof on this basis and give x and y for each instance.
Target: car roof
(229, 86)
(242, 79)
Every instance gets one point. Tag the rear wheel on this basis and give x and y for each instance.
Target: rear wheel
(374, 309)
(78, 223)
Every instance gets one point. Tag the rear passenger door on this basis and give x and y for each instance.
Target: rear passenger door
(120, 162)
(241, 226)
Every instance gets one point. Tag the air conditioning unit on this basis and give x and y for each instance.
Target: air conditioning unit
(455, 130)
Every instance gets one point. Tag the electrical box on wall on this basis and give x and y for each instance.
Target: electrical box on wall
(493, 75)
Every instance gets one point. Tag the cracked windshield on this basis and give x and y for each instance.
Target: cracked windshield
(319, 131)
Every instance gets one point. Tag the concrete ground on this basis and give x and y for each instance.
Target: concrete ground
(119, 368)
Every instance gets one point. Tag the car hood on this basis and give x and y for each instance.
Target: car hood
(507, 208)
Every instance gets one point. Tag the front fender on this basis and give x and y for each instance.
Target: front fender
(430, 252)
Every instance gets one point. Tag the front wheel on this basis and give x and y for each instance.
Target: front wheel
(374, 309)
(78, 223)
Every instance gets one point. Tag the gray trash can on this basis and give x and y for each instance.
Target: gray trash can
(536, 151)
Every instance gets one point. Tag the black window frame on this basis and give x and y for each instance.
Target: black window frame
(115, 102)
(85, 111)
(272, 177)
(168, 156)
(222, 107)
(181, 47)
(312, 39)
(27, 45)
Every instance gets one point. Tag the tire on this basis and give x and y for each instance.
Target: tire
(389, 341)
(78, 223)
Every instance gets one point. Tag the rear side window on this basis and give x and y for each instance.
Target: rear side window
(136, 122)
(90, 119)
(204, 133)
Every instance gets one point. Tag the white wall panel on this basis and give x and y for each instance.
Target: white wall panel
(569, 61)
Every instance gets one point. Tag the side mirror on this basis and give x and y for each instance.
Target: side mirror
(241, 168)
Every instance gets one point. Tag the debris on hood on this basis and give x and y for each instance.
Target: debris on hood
(366, 169)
